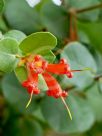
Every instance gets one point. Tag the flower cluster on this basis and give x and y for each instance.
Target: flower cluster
(40, 66)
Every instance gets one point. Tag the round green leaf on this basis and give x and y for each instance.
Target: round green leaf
(38, 43)
(98, 59)
(95, 100)
(16, 95)
(21, 73)
(22, 17)
(100, 84)
(8, 50)
(17, 35)
(3, 25)
(79, 58)
(23, 126)
(57, 117)
(55, 18)
(48, 55)
(94, 32)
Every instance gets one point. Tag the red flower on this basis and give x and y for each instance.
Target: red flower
(41, 66)
(38, 65)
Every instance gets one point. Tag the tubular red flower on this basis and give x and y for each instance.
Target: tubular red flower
(58, 68)
(61, 68)
(54, 88)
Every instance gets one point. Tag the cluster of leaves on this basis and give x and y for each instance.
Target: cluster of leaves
(85, 88)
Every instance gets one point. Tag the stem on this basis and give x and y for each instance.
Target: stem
(89, 8)
(69, 88)
(98, 77)
(85, 69)
(73, 25)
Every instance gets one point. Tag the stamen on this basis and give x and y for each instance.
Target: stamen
(85, 69)
(30, 99)
(68, 110)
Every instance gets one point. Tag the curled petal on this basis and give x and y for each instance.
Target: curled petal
(58, 68)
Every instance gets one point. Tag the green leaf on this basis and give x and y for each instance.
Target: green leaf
(8, 50)
(79, 58)
(38, 43)
(3, 25)
(23, 17)
(100, 85)
(17, 35)
(38, 114)
(55, 18)
(95, 100)
(94, 32)
(49, 56)
(23, 127)
(16, 95)
(98, 59)
(56, 115)
(1, 5)
(21, 73)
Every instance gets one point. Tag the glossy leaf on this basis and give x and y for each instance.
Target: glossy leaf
(55, 19)
(22, 17)
(24, 126)
(38, 43)
(94, 32)
(49, 56)
(80, 58)
(21, 73)
(83, 117)
(17, 35)
(16, 95)
(95, 100)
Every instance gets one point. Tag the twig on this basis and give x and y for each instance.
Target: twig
(89, 8)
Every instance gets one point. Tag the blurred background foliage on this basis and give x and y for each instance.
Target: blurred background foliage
(77, 24)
